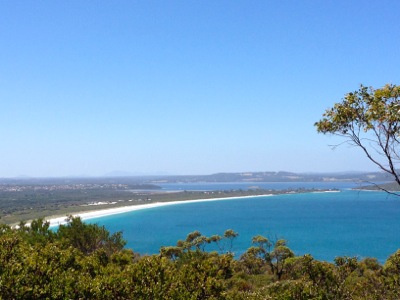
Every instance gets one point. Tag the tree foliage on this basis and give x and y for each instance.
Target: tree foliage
(89, 238)
(37, 263)
(369, 119)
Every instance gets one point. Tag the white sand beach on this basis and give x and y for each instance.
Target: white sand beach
(123, 209)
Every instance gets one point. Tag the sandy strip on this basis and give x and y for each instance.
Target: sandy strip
(119, 210)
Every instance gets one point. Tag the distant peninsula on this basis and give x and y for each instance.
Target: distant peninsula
(24, 199)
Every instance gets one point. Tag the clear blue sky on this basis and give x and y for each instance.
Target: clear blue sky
(185, 87)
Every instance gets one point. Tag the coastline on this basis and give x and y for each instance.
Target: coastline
(57, 220)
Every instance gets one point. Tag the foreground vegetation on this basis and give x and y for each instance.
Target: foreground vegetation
(85, 261)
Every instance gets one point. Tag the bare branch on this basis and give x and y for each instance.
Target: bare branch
(383, 189)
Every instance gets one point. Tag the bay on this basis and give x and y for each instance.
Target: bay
(326, 225)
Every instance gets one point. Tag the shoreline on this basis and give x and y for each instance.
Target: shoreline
(87, 215)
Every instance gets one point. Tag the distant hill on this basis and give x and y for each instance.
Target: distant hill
(280, 176)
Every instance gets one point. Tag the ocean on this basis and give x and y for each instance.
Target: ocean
(325, 225)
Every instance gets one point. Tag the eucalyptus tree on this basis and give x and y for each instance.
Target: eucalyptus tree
(89, 238)
(369, 119)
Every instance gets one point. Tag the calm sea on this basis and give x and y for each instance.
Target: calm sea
(326, 225)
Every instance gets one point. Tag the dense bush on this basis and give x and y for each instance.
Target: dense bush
(85, 261)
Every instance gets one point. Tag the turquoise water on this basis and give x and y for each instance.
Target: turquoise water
(326, 225)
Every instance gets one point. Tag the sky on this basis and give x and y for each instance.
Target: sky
(185, 87)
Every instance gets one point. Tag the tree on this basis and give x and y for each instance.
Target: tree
(278, 258)
(230, 235)
(369, 119)
(275, 258)
(89, 238)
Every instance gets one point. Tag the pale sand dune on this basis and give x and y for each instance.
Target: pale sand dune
(118, 210)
